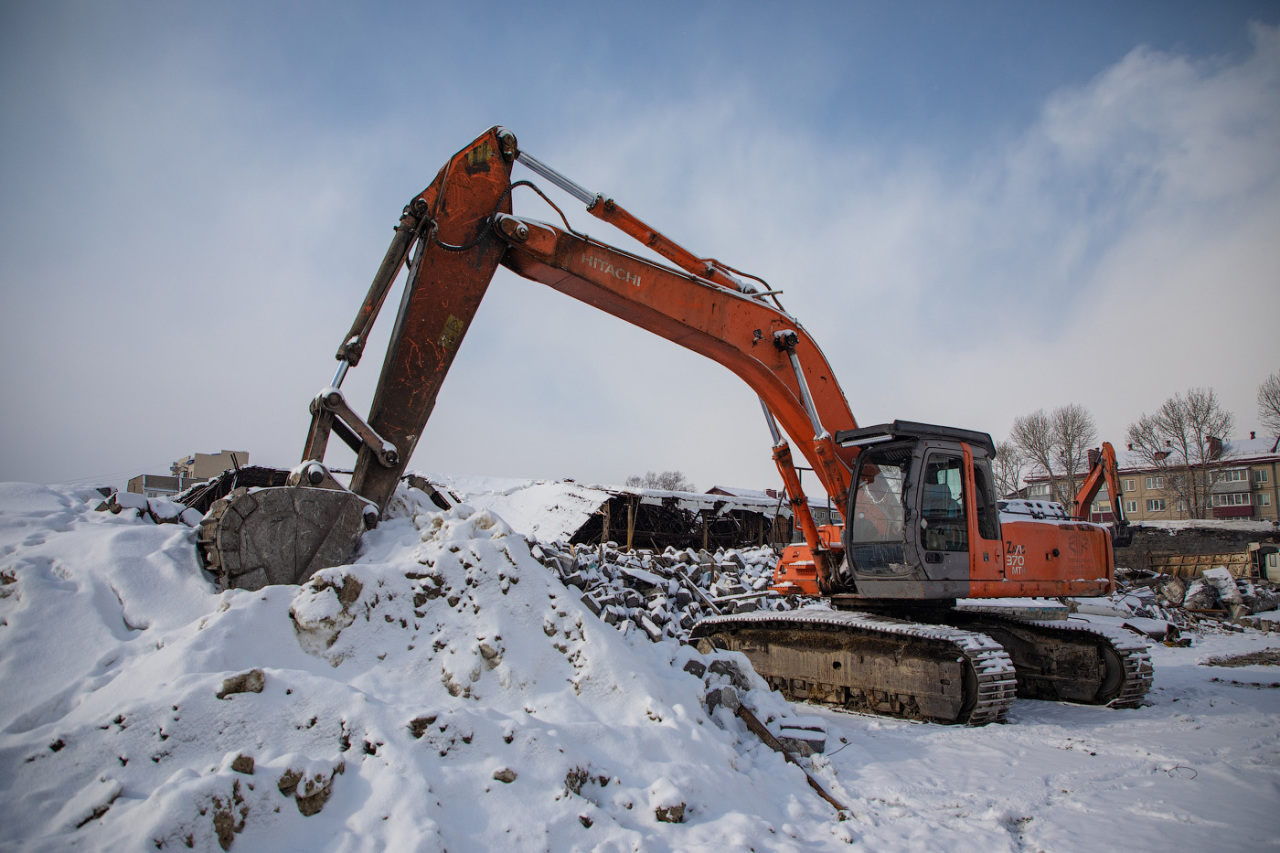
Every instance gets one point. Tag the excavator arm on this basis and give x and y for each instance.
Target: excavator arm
(1103, 468)
(463, 230)
(760, 343)
(452, 237)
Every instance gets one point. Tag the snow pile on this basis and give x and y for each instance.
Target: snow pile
(448, 691)
(444, 692)
(546, 511)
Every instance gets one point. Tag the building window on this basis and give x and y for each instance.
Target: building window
(1233, 499)
(1180, 506)
(1155, 504)
(1128, 485)
(1237, 476)
(1130, 506)
(1260, 475)
(1155, 483)
(1264, 499)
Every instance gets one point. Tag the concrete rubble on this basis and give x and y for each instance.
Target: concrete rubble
(664, 594)
(1216, 597)
(156, 510)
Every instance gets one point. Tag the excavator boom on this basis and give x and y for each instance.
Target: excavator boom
(748, 335)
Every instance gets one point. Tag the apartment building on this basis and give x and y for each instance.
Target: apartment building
(206, 466)
(1243, 483)
(187, 472)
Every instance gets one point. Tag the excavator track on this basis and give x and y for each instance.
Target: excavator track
(1070, 660)
(255, 537)
(872, 663)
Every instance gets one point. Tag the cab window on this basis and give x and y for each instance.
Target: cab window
(942, 516)
(876, 515)
(985, 498)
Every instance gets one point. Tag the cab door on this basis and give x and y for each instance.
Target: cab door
(986, 545)
(942, 532)
(907, 529)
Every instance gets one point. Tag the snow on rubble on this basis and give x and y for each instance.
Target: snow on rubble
(556, 510)
(449, 691)
(543, 510)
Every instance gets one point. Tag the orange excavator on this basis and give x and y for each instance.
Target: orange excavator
(922, 525)
(1103, 468)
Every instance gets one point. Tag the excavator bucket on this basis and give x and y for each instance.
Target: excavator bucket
(252, 539)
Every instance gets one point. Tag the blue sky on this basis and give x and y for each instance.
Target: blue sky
(978, 209)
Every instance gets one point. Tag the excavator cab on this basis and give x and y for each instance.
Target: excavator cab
(921, 510)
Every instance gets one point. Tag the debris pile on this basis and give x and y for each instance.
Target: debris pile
(156, 510)
(1184, 602)
(664, 594)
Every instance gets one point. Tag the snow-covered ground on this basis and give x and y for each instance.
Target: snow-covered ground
(1223, 525)
(448, 692)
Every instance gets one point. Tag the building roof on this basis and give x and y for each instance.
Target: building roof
(735, 492)
(766, 495)
(555, 509)
(1235, 453)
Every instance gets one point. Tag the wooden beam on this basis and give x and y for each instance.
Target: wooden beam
(631, 521)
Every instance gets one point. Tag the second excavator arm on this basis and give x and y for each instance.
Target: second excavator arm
(1103, 468)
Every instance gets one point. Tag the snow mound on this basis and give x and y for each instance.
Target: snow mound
(445, 691)
(546, 511)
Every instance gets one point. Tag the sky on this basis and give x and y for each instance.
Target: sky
(976, 209)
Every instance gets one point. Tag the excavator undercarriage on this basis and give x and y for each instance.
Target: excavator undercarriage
(963, 669)
(923, 526)
(867, 662)
(1068, 660)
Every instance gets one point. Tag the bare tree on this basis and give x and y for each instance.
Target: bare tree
(667, 481)
(1269, 403)
(1074, 432)
(1008, 468)
(1183, 440)
(1057, 445)
(1033, 435)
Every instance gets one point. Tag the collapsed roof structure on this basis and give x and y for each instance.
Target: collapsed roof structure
(633, 517)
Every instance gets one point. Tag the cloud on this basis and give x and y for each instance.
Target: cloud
(1117, 251)
(1162, 177)
(215, 235)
